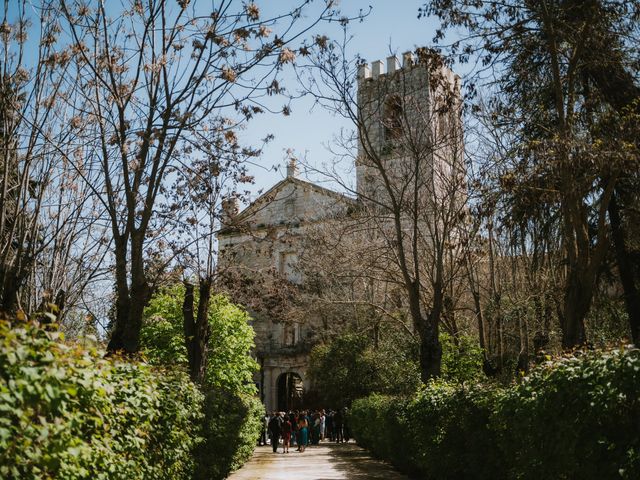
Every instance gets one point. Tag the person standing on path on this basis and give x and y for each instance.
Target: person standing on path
(346, 430)
(275, 429)
(338, 424)
(286, 434)
(303, 426)
(323, 420)
(309, 426)
(315, 428)
(293, 418)
(329, 425)
(265, 429)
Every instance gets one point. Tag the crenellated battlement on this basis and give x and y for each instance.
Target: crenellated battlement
(398, 101)
(379, 68)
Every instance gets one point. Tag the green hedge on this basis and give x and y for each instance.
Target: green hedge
(577, 417)
(66, 412)
(379, 425)
(233, 414)
(232, 426)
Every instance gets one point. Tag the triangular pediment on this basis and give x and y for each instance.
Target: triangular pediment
(292, 201)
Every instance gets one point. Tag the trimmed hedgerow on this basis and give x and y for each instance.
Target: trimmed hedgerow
(379, 425)
(577, 417)
(232, 425)
(372, 415)
(441, 432)
(450, 426)
(66, 412)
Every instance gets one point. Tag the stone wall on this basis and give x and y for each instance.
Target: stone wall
(402, 125)
(264, 241)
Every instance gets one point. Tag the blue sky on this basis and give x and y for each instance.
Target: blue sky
(391, 25)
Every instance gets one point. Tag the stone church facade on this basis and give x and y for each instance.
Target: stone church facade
(268, 236)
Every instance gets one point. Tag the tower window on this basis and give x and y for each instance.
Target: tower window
(392, 118)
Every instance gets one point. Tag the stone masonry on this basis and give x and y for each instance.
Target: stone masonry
(266, 238)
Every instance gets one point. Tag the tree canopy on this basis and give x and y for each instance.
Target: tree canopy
(229, 365)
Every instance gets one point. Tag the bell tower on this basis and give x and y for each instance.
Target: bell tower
(408, 119)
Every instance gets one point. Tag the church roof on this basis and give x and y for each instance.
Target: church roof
(268, 197)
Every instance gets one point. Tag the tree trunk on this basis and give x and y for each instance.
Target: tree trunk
(488, 369)
(541, 336)
(449, 321)
(116, 342)
(130, 302)
(577, 301)
(428, 329)
(376, 335)
(203, 332)
(523, 354)
(479, 318)
(500, 334)
(584, 258)
(625, 267)
(15, 273)
(10, 292)
(197, 329)
(430, 351)
(189, 323)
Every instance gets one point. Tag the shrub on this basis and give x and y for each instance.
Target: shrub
(441, 432)
(232, 415)
(461, 359)
(577, 417)
(378, 422)
(231, 428)
(450, 427)
(229, 366)
(352, 366)
(66, 412)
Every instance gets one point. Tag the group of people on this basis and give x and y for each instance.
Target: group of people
(300, 429)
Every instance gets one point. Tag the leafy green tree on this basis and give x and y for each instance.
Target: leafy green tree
(355, 364)
(462, 358)
(229, 365)
(352, 366)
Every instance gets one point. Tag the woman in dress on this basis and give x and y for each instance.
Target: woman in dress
(303, 429)
(286, 434)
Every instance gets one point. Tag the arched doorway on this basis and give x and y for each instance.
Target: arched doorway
(290, 390)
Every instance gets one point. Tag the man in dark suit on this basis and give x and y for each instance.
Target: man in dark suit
(275, 430)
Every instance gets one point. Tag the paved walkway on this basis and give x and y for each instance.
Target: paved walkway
(327, 461)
